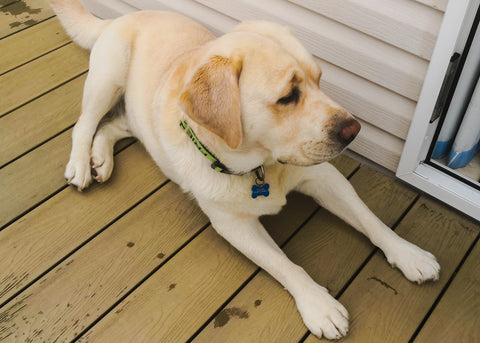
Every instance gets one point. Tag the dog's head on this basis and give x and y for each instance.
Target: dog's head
(258, 90)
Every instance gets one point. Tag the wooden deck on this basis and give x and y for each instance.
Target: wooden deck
(135, 260)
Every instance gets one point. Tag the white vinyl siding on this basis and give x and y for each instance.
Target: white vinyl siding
(374, 53)
(437, 4)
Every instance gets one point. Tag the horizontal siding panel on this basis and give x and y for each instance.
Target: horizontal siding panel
(378, 146)
(385, 19)
(354, 51)
(108, 9)
(440, 5)
(216, 22)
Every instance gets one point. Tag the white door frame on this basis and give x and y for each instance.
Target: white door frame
(411, 169)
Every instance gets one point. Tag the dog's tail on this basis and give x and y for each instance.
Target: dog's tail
(81, 25)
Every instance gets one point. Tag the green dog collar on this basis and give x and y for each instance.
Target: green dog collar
(216, 164)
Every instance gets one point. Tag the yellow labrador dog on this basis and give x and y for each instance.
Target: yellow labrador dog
(238, 121)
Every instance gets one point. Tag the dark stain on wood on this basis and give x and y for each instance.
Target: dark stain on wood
(172, 286)
(130, 244)
(257, 302)
(15, 24)
(30, 22)
(18, 8)
(224, 316)
(161, 255)
(468, 228)
(384, 284)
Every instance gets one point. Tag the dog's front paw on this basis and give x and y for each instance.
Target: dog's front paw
(416, 264)
(323, 315)
(78, 173)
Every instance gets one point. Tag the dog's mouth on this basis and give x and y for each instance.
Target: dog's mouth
(299, 163)
(310, 154)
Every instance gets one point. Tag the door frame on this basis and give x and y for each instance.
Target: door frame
(456, 24)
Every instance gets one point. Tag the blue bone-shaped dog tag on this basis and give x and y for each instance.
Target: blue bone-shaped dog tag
(260, 190)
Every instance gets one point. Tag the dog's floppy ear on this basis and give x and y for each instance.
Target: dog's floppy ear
(212, 98)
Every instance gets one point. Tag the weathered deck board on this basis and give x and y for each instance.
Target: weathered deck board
(328, 249)
(457, 316)
(41, 238)
(384, 306)
(173, 303)
(17, 15)
(29, 44)
(74, 294)
(41, 75)
(39, 120)
(29, 180)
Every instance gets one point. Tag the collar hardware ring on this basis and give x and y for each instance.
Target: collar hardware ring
(260, 176)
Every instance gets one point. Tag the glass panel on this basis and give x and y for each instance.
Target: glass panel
(456, 148)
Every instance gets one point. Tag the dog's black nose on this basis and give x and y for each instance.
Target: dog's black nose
(348, 130)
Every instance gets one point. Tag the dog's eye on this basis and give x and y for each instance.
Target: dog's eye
(293, 96)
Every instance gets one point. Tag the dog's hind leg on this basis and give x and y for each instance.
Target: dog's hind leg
(113, 127)
(104, 85)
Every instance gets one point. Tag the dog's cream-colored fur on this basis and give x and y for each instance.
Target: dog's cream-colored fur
(157, 68)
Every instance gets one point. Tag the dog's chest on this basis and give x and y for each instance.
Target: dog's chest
(245, 204)
(252, 198)
(267, 205)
